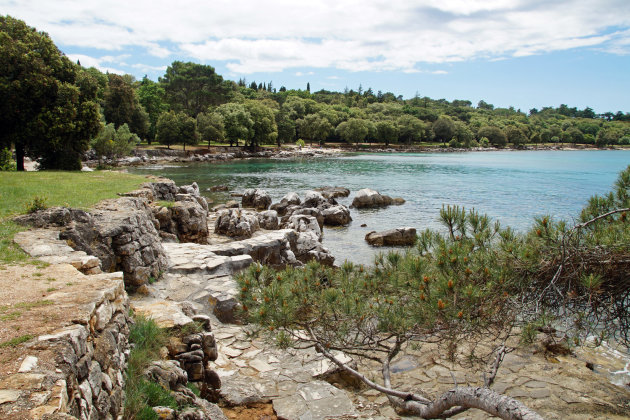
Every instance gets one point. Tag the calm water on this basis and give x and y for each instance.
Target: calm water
(512, 187)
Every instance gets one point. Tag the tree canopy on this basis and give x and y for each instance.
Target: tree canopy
(49, 109)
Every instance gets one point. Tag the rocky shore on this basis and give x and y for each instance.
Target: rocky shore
(164, 252)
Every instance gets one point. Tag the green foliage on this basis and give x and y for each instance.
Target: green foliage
(264, 128)
(191, 88)
(210, 127)
(38, 203)
(444, 128)
(495, 135)
(14, 342)
(354, 130)
(300, 143)
(148, 338)
(48, 109)
(6, 160)
(114, 143)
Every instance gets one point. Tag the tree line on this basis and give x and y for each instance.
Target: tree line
(53, 110)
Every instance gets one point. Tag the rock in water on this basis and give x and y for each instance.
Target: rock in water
(404, 236)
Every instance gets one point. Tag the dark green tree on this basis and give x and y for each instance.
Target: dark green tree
(210, 126)
(121, 105)
(354, 130)
(495, 135)
(167, 129)
(151, 97)
(237, 121)
(386, 132)
(286, 128)
(410, 129)
(444, 128)
(43, 112)
(264, 127)
(192, 87)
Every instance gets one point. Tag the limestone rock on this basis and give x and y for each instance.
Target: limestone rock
(256, 198)
(268, 220)
(338, 215)
(304, 224)
(367, 198)
(216, 188)
(236, 223)
(333, 192)
(167, 373)
(404, 236)
(314, 199)
(291, 198)
(308, 247)
(191, 221)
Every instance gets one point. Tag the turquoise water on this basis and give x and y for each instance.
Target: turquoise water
(511, 186)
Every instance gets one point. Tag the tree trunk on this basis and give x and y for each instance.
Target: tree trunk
(449, 403)
(19, 156)
(482, 398)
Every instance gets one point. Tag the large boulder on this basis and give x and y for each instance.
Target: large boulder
(236, 223)
(367, 198)
(404, 236)
(256, 198)
(338, 215)
(308, 247)
(308, 211)
(191, 221)
(314, 199)
(268, 220)
(303, 223)
(121, 233)
(292, 198)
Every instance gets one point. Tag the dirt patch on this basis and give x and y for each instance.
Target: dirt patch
(261, 411)
(28, 309)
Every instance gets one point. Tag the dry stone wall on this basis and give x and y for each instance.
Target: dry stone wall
(76, 371)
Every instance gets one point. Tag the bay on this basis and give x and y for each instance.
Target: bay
(510, 186)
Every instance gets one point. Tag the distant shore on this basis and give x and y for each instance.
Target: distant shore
(156, 156)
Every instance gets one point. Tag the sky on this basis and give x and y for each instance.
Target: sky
(521, 53)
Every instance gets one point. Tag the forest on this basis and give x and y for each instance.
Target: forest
(54, 110)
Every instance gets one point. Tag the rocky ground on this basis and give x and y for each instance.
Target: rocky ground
(257, 379)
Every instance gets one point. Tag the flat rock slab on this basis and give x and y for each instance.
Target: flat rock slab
(313, 401)
(165, 313)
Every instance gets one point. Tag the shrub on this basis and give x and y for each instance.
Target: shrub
(6, 160)
(300, 143)
(38, 203)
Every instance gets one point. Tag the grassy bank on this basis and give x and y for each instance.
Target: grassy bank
(20, 190)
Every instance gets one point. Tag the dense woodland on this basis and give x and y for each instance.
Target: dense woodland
(54, 110)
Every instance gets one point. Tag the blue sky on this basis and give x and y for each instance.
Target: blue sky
(523, 53)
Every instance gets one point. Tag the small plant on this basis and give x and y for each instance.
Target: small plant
(6, 160)
(300, 143)
(167, 204)
(16, 341)
(38, 203)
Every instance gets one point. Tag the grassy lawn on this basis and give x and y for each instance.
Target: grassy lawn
(71, 189)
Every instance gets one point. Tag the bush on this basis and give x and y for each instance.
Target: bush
(38, 203)
(300, 143)
(484, 142)
(454, 143)
(6, 160)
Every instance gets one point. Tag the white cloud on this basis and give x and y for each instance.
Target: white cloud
(439, 72)
(308, 73)
(367, 35)
(88, 61)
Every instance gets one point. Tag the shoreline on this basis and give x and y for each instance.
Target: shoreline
(146, 157)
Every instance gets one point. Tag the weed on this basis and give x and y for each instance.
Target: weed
(38, 274)
(51, 289)
(69, 284)
(16, 341)
(191, 328)
(31, 305)
(11, 316)
(38, 203)
(167, 204)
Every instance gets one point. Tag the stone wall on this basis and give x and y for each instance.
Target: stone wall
(76, 371)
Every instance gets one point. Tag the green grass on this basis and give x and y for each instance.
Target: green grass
(19, 190)
(16, 341)
(148, 338)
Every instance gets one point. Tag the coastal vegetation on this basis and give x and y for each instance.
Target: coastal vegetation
(55, 110)
(476, 283)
